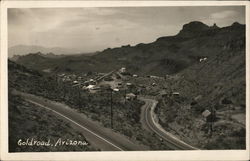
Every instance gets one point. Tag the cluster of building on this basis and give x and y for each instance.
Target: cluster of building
(100, 81)
(84, 81)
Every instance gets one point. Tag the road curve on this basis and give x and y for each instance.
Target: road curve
(99, 137)
(148, 122)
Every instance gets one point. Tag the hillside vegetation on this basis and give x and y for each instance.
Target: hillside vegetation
(205, 66)
(96, 106)
(29, 121)
(216, 84)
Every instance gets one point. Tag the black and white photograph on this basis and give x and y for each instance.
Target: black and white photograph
(126, 78)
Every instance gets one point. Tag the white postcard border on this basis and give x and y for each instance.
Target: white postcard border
(109, 156)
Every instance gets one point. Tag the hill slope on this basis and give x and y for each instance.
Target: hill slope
(215, 84)
(167, 55)
(29, 121)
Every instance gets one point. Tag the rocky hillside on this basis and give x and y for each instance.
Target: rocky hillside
(30, 121)
(167, 55)
(216, 83)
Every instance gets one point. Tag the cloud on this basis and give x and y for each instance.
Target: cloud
(91, 29)
(50, 19)
(224, 14)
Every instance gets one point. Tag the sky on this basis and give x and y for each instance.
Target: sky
(92, 29)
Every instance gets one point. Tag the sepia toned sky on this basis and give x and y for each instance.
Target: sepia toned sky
(94, 29)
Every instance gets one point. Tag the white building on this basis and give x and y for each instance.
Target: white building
(175, 93)
(90, 87)
(134, 75)
(131, 96)
(203, 59)
(123, 70)
(116, 90)
(129, 84)
(206, 113)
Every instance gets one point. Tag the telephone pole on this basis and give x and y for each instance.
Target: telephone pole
(111, 109)
(125, 96)
(79, 97)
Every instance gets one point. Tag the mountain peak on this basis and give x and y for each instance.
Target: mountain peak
(236, 24)
(214, 26)
(193, 28)
(195, 25)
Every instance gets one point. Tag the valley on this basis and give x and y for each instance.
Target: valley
(181, 92)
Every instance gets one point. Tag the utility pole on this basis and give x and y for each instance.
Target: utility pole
(125, 96)
(64, 91)
(56, 79)
(211, 120)
(79, 97)
(111, 109)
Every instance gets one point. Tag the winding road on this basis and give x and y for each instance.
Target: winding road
(103, 138)
(100, 137)
(148, 122)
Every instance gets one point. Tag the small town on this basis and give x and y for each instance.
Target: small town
(126, 79)
(117, 81)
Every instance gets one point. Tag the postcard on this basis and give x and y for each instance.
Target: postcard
(124, 80)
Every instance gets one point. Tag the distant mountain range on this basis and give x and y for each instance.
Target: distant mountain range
(167, 55)
(26, 49)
